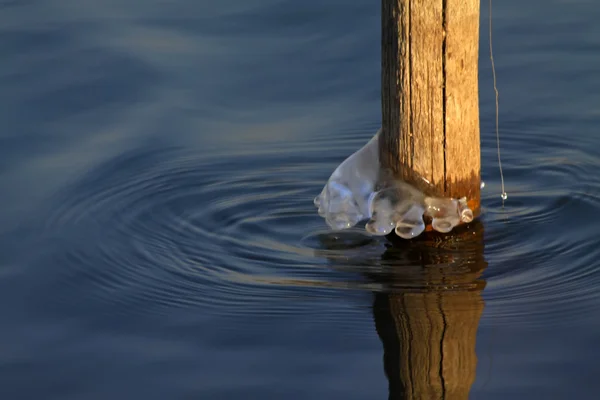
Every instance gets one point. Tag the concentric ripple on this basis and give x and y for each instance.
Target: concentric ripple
(157, 230)
(542, 245)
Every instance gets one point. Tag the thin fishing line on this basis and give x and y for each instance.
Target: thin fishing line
(503, 195)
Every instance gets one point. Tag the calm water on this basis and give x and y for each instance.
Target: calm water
(158, 240)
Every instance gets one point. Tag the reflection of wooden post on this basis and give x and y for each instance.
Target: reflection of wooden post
(434, 355)
(427, 308)
(430, 103)
(429, 332)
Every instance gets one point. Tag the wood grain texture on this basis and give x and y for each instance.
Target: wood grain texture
(430, 102)
(463, 157)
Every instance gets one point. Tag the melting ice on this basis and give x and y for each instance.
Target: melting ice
(354, 193)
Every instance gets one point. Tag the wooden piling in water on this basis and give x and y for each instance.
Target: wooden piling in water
(430, 100)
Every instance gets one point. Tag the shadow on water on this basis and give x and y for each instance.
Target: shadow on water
(427, 311)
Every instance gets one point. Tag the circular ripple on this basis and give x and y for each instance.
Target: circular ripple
(541, 245)
(159, 230)
(156, 230)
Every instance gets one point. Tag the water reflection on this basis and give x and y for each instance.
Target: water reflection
(427, 313)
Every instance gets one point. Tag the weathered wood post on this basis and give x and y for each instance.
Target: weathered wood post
(430, 102)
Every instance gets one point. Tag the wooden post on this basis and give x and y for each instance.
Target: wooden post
(430, 102)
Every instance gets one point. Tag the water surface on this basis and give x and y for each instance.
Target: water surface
(158, 239)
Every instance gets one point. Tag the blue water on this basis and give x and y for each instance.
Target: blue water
(158, 239)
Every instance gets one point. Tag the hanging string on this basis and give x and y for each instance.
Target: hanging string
(503, 195)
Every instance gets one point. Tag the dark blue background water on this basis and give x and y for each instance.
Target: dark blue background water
(158, 240)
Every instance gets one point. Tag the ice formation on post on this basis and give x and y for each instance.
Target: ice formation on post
(356, 192)
(398, 207)
(345, 199)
